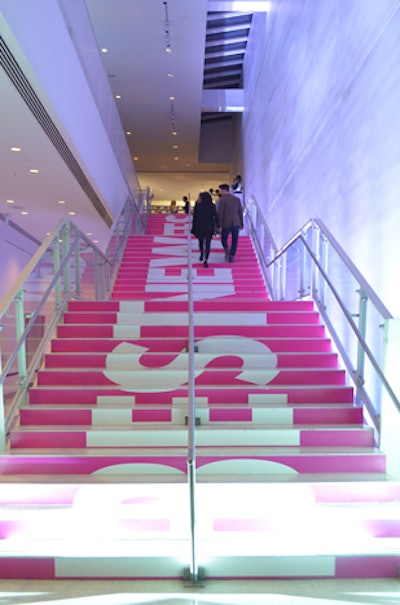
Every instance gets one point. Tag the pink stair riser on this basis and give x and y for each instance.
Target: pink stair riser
(68, 438)
(276, 345)
(32, 416)
(326, 438)
(345, 567)
(227, 378)
(315, 331)
(88, 396)
(334, 415)
(269, 331)
(71, 464)
(158, 360)
(272, 318)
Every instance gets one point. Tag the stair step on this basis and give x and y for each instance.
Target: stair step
(126, 360)
(221, 317)
(276, 345)
(116, 306)
(118, 415)
(92, 395)
(170, 378)
(211, 462)
(177, 436)
(129, 332)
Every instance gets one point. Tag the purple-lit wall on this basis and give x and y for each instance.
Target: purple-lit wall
(321, 127)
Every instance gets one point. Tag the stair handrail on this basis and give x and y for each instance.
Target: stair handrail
(359, 336)
(191, 454)
(32, 368)
(310, 247)
(66, 253)
(314, 224)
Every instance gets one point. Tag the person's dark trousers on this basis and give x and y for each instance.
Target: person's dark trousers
(234, 231)
(205, 245)
(207, 241)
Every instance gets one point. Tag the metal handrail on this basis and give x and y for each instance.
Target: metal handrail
(373, 297)
(75, 251)
(356, 331)
(314, 262)
(191, 455)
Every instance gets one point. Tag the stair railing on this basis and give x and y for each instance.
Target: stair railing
(192, 573)
(313, 265)
(68, 265)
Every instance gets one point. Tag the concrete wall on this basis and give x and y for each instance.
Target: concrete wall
(321, 127)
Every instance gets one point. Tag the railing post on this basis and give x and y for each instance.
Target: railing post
(193, 574)
(20, 328)
(315, 233)
(283, 276)
(303, 273)
(96, 277)
(77, 272)
(65, 250)
(56, 268)
(2, 413)
(324, 244)
(362, 326)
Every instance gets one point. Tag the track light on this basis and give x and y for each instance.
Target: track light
(168, 48)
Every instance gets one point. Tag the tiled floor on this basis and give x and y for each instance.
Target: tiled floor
(269, 592)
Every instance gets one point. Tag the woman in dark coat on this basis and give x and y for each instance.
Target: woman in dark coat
(205, 222)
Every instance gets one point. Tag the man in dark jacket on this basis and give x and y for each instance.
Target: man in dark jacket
(230, 214)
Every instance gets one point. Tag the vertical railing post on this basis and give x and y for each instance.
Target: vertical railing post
(78, 291)
(303, 273)
(313, 268)
(96, 277)
(20, 329)
(56, 267)
(362, 326)
(324, 262)
(2, 413)
(65, 249)
(191, 457)
(283, 276)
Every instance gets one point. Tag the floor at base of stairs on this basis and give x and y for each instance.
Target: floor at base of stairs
(230, 592)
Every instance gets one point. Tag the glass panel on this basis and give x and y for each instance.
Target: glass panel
(66, 266)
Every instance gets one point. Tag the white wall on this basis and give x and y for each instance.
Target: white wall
(321, 127)
(60, 53)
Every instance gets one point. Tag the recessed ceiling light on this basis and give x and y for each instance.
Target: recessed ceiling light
(171, 75)
(174, 133)
(61, 202)
(71, 213)
(24, 212)
(95, 241)
(15, 149)
(172, 98)
(175, 146)
(128, 132)
(176, 157)
(104, 50)
(89, 233)
(117, 96)
(10, 201)
(136, 157)
(34, 171)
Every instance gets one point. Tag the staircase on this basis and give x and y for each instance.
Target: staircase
(289, 482)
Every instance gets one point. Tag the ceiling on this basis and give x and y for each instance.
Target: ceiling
(159, 93)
